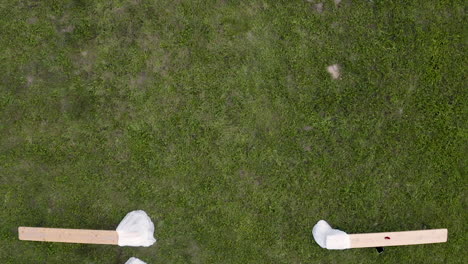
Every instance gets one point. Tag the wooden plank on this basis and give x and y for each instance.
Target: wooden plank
(387, 239)
(108, 237)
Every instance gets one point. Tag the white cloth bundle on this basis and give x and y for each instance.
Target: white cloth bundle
(136, 230)
(133, 260)
(330, 238)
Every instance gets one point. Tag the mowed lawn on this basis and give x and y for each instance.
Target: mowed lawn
(220, 120)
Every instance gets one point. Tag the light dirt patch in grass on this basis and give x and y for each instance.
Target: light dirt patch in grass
(64, 105)
(30, 80)
(318, 7)
(193, 250)
(159, 59)
(250, 177)
(138, 81)
(32, 20)
(67, 29)
(107, 76)
(63, 24)
(86, 60)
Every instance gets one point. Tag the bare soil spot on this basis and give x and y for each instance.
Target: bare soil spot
(84, 61)
(30, 80)
(32, 20)
(318, 7)
(67, 29)
(138, 81)
(64, 105)
(193, 250)
(254, 179)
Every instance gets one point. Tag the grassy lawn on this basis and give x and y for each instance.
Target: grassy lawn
(220, 120)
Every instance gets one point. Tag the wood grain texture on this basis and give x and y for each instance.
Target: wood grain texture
(386, 239)
(108, 237)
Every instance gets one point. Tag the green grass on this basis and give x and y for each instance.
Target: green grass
(218, 119)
